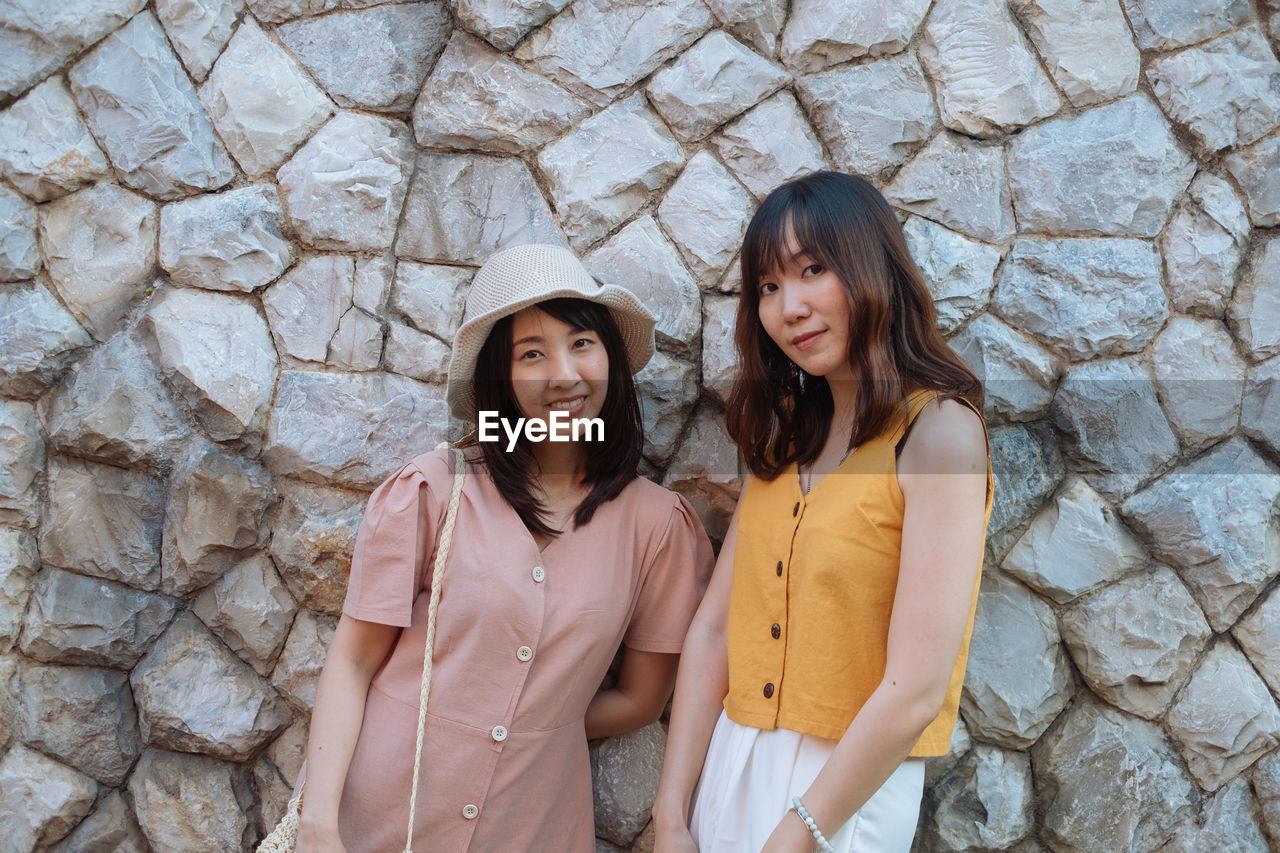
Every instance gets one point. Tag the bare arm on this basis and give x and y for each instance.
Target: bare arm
(355, 653)
(942, 472)
(701, 685)
(644, 686)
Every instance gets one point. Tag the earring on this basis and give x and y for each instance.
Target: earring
(797, 377)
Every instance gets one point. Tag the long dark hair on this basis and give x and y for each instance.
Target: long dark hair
(776, 414)
(610, 464)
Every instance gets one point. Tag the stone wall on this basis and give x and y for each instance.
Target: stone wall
(237, 235)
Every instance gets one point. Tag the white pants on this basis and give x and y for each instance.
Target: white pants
(750, 776)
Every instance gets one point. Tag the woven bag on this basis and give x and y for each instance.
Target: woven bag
(284, 838)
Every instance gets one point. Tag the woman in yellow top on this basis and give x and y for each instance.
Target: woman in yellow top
(827, 657)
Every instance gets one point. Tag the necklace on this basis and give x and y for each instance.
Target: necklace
(806, 472)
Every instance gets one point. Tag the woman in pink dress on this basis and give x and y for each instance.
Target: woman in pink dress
(560, 554)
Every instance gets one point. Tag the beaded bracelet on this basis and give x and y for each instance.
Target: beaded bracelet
(819, 842)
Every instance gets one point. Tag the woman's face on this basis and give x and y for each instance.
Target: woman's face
(804, 308)
(555, 367)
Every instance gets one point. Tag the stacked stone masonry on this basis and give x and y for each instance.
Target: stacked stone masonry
(235, 237)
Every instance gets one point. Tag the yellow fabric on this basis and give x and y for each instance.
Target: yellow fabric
(824, 569)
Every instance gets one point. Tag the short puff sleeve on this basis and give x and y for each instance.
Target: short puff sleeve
(674, 581)
(388, 566)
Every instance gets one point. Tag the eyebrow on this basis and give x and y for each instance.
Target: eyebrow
(795, 257)
(537, 339)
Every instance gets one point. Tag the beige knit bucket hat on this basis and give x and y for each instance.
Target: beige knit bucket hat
(517, 277)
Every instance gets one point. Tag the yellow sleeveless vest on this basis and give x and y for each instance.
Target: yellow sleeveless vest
(813, 585)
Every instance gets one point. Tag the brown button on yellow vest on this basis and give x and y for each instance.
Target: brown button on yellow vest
(813, 585)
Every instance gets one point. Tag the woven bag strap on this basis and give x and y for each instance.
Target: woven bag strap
(437, 576)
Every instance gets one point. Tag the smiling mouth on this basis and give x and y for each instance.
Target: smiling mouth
(573, 405)
(803, 342)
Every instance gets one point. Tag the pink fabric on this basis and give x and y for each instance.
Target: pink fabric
(633, 575)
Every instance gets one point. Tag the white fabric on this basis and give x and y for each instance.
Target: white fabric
(750, 776)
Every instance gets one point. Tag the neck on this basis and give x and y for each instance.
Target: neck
(558, 484)
(844, 396)
(560, 465)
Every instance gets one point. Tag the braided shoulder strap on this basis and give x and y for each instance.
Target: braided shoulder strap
(437, 576)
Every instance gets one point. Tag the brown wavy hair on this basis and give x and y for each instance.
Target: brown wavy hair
(775, 412)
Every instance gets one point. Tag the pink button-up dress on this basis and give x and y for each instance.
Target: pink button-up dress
(523, 639)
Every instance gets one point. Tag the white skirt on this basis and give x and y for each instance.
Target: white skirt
(750, 776)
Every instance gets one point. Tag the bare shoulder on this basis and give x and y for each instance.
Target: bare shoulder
(947, 438)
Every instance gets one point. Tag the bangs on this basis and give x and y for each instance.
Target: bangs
(580, 315)
(788, 213)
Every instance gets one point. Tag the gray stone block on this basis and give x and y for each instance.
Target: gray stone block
(1119, 435)
(1136, 641)
(238, 712)
(250, 609)
(1098, 758)
(522, 110)
(321, 426)
(1225, 719)
(345, 187)
(215, 353)
(1222, 92)
(988, 80)
(37, 38)
(1215, 521)
(312, 543)
(598, 48)
(91, 622)
(100, 249)
(191, 802)
(40, 799)
(710, 83)
(1112, 170)
(143, 109)
(111, 408)
(232, 241)
(103, 521)
(821, 33)
(1087, 47)
(216, 516)
(607, 168)
(45, 149)
(1018, 679)
(960, 183)
(375, 58)
(443, 221)
(84, 717)
(771, 144)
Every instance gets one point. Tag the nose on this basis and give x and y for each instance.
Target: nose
(564, 369)
(794, 304)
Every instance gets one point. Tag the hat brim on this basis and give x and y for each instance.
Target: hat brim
(635, 325)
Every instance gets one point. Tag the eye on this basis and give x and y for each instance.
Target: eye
(582, 343)
(767, 287)
(529, 355)
(812, 270)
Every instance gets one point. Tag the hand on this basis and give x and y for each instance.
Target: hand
(790, 836)
(676, 840)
